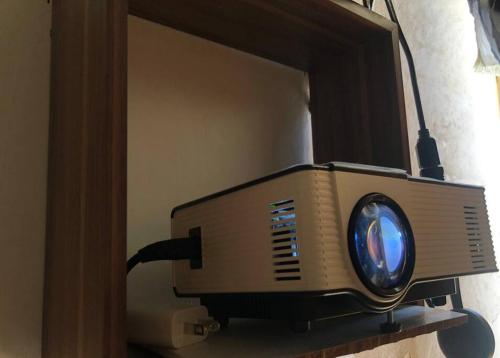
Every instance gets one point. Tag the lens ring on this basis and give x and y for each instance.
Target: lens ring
(381, 245)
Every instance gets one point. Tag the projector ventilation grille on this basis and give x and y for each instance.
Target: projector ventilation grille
(285, 251)
(474, 237)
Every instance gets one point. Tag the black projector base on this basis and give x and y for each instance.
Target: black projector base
(301, 309)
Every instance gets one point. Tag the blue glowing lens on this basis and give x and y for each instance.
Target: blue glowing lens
(381, 245)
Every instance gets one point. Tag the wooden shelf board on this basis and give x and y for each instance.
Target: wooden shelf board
(286, 31)
(350, 53)
(329, 338)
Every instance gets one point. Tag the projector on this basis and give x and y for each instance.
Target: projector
(319, 241)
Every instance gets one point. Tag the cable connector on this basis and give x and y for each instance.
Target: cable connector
(202, 328)
(428, 156)
(174, 249)
(427, 151)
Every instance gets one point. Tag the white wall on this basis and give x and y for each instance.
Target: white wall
(24, 113)
(202, 117)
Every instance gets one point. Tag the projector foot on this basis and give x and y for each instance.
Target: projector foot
(438, 301)
(300, 326)
(223, 321)
(390, 326)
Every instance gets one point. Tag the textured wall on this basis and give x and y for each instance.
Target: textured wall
(24, 114)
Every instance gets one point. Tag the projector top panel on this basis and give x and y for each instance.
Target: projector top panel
(332, 166)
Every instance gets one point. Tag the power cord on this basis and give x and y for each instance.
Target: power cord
(169, 327)
(427, 151)
(175, 249)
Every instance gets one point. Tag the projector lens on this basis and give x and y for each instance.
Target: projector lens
(381, 244)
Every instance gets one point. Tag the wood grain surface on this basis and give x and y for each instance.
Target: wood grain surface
(350, 53)
(84, 296)
(328, 338)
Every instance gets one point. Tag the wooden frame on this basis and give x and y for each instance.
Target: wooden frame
(350, 53)
(85, 297)
(357, 107)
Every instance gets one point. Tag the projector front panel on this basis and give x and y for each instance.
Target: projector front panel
(351, 188)
(449, 224)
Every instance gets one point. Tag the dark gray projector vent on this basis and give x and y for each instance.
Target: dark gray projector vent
(285, 248)
(474, 237)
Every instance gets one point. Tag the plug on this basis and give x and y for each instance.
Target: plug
(428, 156)
(169, 327)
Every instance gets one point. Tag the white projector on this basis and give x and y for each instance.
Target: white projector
(316, 241)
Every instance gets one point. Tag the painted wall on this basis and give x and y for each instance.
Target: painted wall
(24, 114)
(202, 117)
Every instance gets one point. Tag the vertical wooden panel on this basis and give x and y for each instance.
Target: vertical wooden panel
(357, 105)
(338, 109)
(386, 105)
(84, 302)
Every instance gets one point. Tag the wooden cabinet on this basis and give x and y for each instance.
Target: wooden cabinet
(356, 103)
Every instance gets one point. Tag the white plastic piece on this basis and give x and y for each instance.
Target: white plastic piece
(166, 327)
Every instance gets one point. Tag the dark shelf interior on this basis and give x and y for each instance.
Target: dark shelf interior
(285, 31)
(351, 55)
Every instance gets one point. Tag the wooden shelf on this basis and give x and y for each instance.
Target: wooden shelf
(286, 31)
(357, 112)
(329, 338)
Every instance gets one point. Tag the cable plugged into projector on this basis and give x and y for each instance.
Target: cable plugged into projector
(428, 156)
(167, 327)
(427, 151)
(168, 250)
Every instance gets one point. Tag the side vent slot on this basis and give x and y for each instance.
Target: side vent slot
(285, 248)
(473, 231)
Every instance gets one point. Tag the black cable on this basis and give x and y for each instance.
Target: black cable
(174, 249)
(132, 262)
(409, 57)
(411, 65)
(427, 151)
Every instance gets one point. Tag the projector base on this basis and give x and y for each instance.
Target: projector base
(390, 326)
(300, 309)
